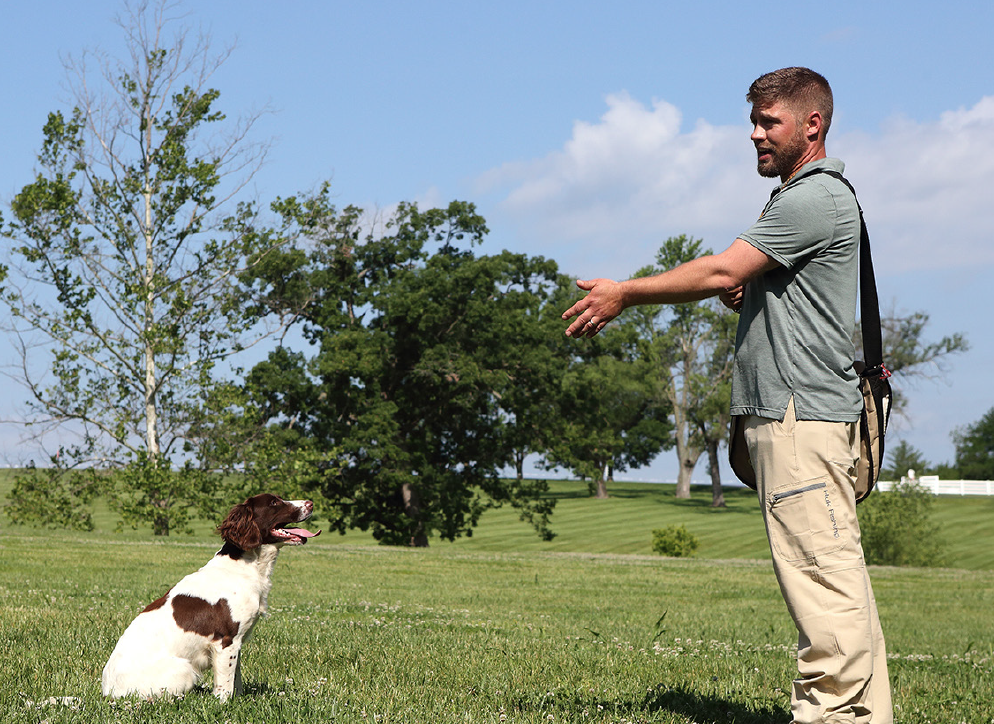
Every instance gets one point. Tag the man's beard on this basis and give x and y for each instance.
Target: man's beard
(782, 160)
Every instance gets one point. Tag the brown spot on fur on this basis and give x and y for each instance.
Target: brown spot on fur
(212, 620)
(157, 603)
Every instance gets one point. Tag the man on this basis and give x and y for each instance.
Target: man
(793, 276)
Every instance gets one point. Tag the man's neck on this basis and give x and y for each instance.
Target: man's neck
(815, 152)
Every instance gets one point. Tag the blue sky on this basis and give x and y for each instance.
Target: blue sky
(589, 134)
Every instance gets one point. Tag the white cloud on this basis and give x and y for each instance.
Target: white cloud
(926, 188)
(621, 185)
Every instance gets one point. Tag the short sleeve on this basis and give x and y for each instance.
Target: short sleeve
(797, 223)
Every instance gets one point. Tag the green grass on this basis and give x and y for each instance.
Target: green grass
(623, 524)
(499, 627)
(373, 634)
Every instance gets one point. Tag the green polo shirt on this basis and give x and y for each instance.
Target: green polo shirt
(795, 331)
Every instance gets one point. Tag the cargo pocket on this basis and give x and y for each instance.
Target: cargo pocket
(803, 521)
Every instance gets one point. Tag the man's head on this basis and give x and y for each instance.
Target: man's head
(791, 114)
(800, 89)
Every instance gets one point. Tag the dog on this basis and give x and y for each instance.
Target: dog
(205, 618)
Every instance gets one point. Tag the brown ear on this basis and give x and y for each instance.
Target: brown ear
(239, 528)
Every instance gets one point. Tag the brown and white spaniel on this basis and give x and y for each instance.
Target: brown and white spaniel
(206, 617)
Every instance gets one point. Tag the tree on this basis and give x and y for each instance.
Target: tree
(691, 348)
(906, 352)
(975, 449)
(125, 249)
(609, 417)
(904, 457)
(540, 353)
(415, 344)
(711, 422)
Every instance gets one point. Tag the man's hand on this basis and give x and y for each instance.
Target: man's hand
(732, 298)
(604, 302)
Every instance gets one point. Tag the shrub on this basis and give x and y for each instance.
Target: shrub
(896, 528)
(675, 541)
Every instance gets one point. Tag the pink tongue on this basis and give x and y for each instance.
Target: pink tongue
(302, 533)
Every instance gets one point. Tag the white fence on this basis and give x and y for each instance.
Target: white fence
(947, 487)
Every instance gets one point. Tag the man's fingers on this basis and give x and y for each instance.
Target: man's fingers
(732, 298)
(579, 327)
(585, 327)
(576, 309)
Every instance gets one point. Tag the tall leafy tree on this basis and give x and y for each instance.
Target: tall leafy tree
(906, 350)
(691, 347)
(530, 397)
(975, 448)
(416, 341)
(609, 418)
(713, 384)
(125, 248)
(909, 354)
(903, 457)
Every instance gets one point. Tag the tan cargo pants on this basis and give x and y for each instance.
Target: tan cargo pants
(805, 472)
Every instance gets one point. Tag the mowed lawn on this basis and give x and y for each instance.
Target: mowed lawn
(500, 627)
(624, 524)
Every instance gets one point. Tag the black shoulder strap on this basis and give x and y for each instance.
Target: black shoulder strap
(869, 305)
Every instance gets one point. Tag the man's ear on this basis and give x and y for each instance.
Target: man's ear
(813, 126)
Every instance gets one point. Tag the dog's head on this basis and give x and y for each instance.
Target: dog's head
(264, 520)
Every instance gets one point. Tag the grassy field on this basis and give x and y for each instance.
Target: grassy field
(624, 523)
(499, 627)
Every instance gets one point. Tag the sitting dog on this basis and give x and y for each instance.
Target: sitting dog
(206, 617)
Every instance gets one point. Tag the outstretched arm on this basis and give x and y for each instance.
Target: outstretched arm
(698, 279)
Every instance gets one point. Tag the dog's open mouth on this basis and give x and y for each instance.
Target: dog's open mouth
(294, 536)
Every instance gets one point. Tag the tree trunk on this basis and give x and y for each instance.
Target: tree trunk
(412, 507)
(160, 523)
(160, 520)
(717, 494)
(688, 455)
(151, 413)
(601, 488)
(684, 477)
(519, 463)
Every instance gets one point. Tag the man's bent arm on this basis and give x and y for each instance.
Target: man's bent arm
(692, 281)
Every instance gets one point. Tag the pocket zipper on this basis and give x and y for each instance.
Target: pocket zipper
(777, 497)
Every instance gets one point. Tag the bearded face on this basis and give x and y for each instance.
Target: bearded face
(774, 161)
(779, 139)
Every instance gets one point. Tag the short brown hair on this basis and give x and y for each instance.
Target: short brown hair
(801, 89)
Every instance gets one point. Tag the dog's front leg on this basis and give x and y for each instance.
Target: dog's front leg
(227, 677)
(238, 677)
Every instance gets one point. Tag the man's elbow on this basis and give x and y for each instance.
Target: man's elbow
(742, 263)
